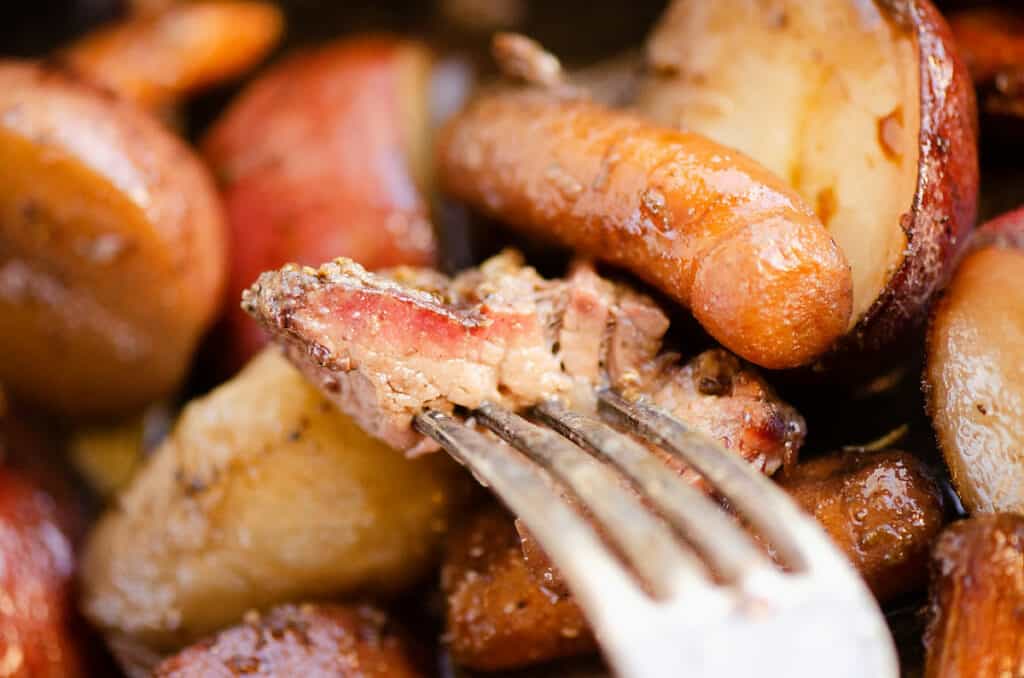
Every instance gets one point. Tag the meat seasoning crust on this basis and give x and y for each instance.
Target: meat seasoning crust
(706, 225)
(384, 347)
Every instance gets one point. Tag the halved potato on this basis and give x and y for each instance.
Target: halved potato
(974, 377)
(864, 107)
(112, 247)
(263, 493)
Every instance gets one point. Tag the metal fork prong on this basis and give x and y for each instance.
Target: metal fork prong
(771, 512)
(591, 570)
(717, 536)
(647, 542)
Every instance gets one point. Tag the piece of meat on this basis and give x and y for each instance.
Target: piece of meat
(882, 509)
(300, 640)
(384, 347)
(497, 615)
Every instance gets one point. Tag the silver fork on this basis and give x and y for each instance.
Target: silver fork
(685, 591)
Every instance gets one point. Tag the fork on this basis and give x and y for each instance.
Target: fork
(683, 589)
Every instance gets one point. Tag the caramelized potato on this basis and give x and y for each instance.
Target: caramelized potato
(112, 248)
(326, 155)
(263, 493)
(38, 636)
(882, 509)
(991, 40)
(299, 640)
(498, 615)
(158, 58)
(975, 628)
(863, 107)
(974, 377)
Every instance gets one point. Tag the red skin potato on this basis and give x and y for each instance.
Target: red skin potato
(324, 156)
(38, 628)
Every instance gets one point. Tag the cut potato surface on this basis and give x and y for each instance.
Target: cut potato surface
(975, 371)
(860, 106)
(263, 493)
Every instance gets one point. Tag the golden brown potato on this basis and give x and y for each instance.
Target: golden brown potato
(974, 377)
(975, 627)
(300, 640)
(156, 58)
(38, 636)
(326, 155)
(498, 615)
(882, 509)
(263, 493)
(112, 253)
(862, 106)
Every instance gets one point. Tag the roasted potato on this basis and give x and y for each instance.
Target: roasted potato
(864, 107)
(263, 493)
(975, 627)
(326, 155)
(991, 40)
(974, 378)
(39, 637)
(498, 615)
(300, 640)
(157, 58)
(882, 509)
(112, 247)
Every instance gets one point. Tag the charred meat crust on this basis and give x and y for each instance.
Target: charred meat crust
(384, 347)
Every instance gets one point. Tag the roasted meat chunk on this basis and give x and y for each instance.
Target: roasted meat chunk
(499, 616)
(384, 347)
(300, 640)
(882, 509)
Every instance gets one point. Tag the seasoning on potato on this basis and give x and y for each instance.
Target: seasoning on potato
(974, 378)
(975, 627)
(112, 247)
(301, 640)
(263, 493)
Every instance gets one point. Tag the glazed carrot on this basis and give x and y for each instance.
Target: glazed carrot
(706, 225)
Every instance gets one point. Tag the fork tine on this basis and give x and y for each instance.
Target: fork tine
(731, 552)
(592, 572)
(798, 543)
(647, 542)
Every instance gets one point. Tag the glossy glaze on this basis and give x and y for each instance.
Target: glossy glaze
(706, 225)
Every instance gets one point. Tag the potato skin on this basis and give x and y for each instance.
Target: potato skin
(883, 510)
(299, 640)
(945, 205)
(112, 252)
(325, 156)
(157, 59)
(704, 224)
(498, 615)
(38, 635)
(975, 627)
(974, 382)
(263, 493)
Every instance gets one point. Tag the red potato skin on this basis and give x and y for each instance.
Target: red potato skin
(38, 636)
(323, 157)
(945, 204)
(706, 225)
(991, 41)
